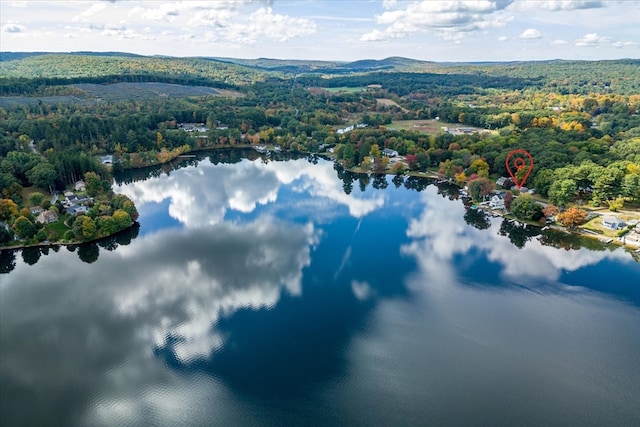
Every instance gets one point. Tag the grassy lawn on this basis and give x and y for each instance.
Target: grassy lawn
(58, 227)
(595, 224)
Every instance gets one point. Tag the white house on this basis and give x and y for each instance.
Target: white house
(345, 130)
(107, 160)
(497, 201)
(35, 210)
(47, 217)
(612, 222)
(77, 209)
(389, 152)
(505, 182)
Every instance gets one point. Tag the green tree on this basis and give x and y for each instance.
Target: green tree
(608, 185)
(349, 155)
(122, 219)
(562, 192)
(41, 235)
(8, 209)
(36, 198)
(107, 225)
(631, 186)
(374, 152)
(24, 228)
(480, 188)
(42, 175)
(5, 235)
(543, 181)
(84, 227)
(93, 183)
(479, 167)
(423, 161)
(524, 207)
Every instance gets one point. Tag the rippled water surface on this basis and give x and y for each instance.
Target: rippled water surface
(287, 293)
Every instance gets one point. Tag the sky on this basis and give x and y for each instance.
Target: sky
(339, 30)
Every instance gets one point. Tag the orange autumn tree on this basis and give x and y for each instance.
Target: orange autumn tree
(572, 217)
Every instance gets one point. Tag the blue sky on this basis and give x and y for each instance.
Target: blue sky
(329, 29)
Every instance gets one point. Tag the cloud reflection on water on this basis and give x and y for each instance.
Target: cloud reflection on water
(439, 235)
(201, 196)
(165, 290)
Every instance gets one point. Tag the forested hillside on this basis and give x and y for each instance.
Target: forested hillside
(580, 120)
(33, 73)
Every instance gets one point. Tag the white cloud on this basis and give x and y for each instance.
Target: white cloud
(592, 40)
(447, 19)
(263, 23)
(279, 27)
(389, 4)
(531, 33)
(13, 28)
(619, 44)
(561, 5)
(422, 29)
(559, 42)
(374, 36)
(94, 9)
(503, 38)
(165, 12)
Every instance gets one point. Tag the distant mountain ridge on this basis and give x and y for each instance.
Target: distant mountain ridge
(31, 72)
(14, 56)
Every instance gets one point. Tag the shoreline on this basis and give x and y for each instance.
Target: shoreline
(48, 244)
(187, 154)
(579, 231)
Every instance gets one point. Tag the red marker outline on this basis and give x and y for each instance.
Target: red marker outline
(522, 164)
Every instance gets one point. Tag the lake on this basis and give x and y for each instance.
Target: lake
(258, 292)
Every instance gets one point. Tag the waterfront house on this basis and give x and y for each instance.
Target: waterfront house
(497, 201)
(612, 222)
(505, 182)
(47, 217)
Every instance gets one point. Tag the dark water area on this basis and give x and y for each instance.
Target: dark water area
(261, 292)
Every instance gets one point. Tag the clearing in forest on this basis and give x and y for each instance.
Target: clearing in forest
(390, 103)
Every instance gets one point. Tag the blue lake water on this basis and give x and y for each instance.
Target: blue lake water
(262, 293)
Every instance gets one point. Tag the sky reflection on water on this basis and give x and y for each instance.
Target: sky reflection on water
(262, 293)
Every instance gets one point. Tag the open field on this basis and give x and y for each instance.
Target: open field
(390, 103)
(427, 126)
(433, 127)
(58, 227)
